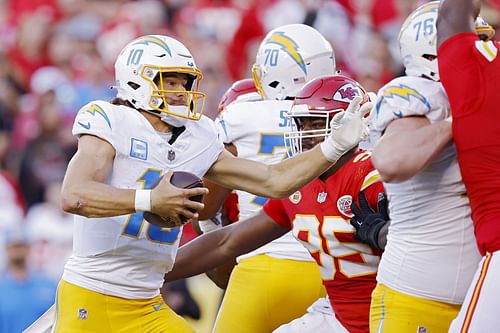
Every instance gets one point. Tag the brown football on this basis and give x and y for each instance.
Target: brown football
(181, 179)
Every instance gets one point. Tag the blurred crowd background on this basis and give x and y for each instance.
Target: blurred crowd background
(56, 55)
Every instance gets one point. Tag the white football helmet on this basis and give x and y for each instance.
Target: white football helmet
(289, 57)
(138, 70)
(418, 42)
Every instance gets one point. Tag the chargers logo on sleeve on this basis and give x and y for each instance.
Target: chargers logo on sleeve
(139, 149)
(93, 109)
(404, 92)
(289, 46)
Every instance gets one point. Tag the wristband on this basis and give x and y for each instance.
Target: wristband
(142, 200)
(330, 152)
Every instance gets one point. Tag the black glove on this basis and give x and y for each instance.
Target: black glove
(368, 222)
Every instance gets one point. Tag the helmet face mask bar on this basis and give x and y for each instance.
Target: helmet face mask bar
(194, 100)
(315, 105)
(297, 138)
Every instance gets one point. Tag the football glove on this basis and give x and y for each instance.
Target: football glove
(368, 222)
(348, 128)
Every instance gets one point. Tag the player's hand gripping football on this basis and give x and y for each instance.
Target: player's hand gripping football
(173, 203)
(348, 128)
(368, 222)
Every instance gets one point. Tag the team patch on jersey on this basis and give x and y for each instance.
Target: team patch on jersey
(139, 149)
(296, 197)
(344, 205)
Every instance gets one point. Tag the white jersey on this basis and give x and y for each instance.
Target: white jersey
(256, 128)
(124, 255)
(431, 251)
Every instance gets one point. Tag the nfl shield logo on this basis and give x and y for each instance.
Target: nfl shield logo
(322, 197)
(171, 155)
(82, 313)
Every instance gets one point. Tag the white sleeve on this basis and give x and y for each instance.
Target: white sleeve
(95, 118)
(404, 98)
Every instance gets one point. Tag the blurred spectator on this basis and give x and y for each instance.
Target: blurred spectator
(25, 295)
(29, 52)
(46, 156)
(11, 209)
(51, 232)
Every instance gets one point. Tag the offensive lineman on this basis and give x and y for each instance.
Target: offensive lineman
(430, 255)
(255, 131)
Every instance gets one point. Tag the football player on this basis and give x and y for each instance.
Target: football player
(470, 71)
(430, 255)
(254, 130)
(318, 216)
(155, 125)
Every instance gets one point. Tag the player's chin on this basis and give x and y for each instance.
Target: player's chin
(308, 144)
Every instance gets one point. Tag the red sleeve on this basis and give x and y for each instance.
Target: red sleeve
(249, 30)
(459, 58)
(371, 193)
(275, 210)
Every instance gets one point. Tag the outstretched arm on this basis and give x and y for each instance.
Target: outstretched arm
(220, 246)
(456, 16)
(282, 179)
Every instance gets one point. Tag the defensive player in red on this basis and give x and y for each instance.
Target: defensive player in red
(470, 71)
(318, 215)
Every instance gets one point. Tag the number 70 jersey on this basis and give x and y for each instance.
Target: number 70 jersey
(319, 215)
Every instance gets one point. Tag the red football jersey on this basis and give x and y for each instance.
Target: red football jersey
(470, 73)
(319, 217)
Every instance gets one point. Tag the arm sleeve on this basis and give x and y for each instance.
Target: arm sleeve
(458, 58)
(372, 192)
(276, 211)
(95, 119)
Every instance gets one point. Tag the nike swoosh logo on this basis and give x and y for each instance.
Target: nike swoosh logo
(86, 126)
(157, 307)
(398, 114)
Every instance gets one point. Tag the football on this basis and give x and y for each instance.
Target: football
(179, 179)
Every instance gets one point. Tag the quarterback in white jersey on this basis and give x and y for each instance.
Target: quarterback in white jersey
(153, 127)
(430, 256)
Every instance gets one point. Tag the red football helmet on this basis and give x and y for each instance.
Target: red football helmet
(322, 97)
(239, 88)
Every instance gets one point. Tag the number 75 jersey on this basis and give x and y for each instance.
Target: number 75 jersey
(319, 215)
